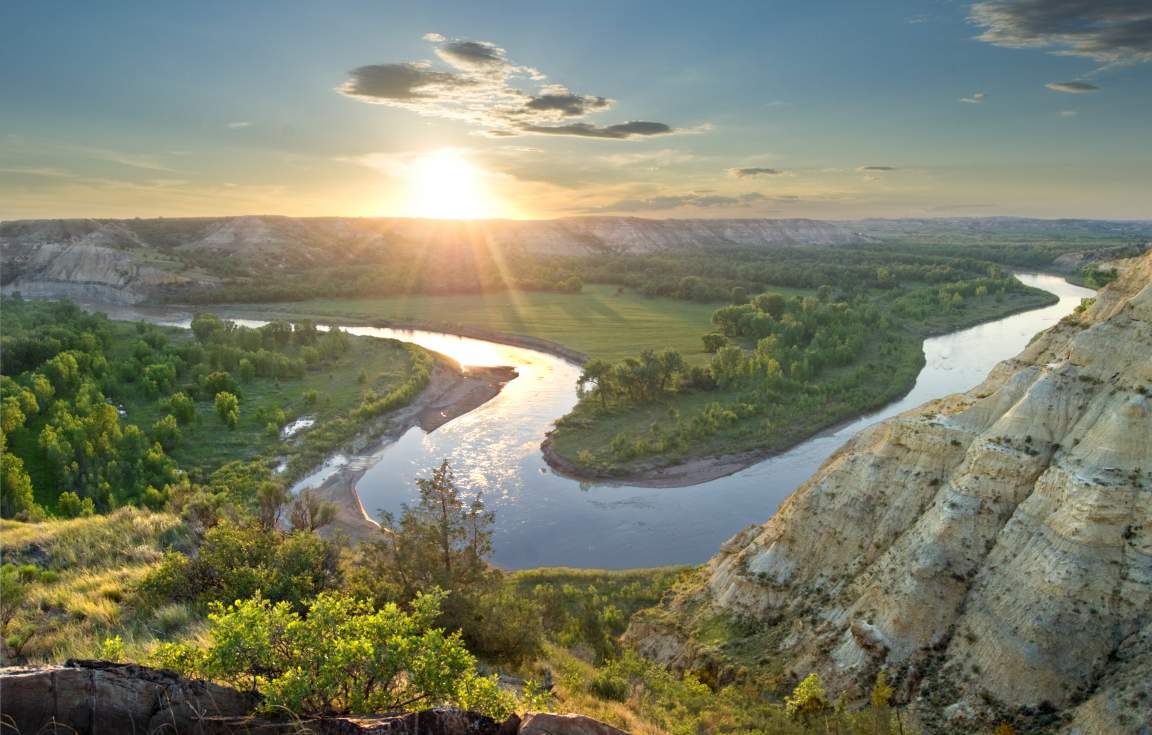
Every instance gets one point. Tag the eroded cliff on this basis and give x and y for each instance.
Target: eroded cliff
(992, 550)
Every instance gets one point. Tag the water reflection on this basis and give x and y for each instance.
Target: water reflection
(544, 519)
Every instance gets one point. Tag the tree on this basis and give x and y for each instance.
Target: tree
(228, 409)
(440, 542)
(770, 303)
(182, 407)
(17, 497)
(166, 431)
(738, 295)
(807, 699)
(207, 327)
(341, 657)
(271, 497)
(713, 341)
(71, 505)
(246, 369)
(219, 382)
(597, 374)
(310, 513)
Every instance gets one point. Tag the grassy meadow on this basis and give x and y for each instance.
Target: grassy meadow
(603, 321)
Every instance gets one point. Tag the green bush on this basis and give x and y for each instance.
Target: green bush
(342, 656)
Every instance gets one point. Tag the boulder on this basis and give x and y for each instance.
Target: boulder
(104, 697)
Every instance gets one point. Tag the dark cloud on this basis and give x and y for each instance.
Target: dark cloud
(1072, 87)
(664, 203)
(472, 54)
(400, 82)
(876, 168)
(636, 128)
(755, 171)
(1110, 31)
(573, 105)
(484, 88)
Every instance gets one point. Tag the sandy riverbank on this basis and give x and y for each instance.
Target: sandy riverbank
(452, 391)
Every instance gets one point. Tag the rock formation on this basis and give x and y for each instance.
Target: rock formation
(94, 697)
(991, 550)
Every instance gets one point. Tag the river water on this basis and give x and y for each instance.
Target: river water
(543, 519)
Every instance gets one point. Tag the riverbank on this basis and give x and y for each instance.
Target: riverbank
(661, 471)
(452, 391)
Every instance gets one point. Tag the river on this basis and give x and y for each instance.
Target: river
(543, 519)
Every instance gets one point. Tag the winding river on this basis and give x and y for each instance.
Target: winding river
(543, 519)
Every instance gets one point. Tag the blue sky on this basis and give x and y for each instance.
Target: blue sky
(844, 109)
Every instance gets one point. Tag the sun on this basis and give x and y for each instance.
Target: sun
(445, 185)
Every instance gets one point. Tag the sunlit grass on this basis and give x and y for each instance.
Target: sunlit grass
(602, 321)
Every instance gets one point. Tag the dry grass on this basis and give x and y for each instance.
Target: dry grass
(96, 562)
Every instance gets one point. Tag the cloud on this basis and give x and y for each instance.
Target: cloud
(1072, 87)
(975, 98)
(239, 124)
(1067, 113)
(1109, 31)
(876, 168)
(567, 103)
(754, 171)
(696, 199)
(398, 83)
(637, 128)
(478, 84)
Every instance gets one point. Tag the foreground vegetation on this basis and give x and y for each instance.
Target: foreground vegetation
(414, 619)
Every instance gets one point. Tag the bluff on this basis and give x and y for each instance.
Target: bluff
(991, 550)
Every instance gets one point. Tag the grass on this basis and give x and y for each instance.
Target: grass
(603, 321)
(92, 564)
(584, 436)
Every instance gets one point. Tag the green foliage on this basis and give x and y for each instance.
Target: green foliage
(342, 656)
(71, 505)
(228, 409)
(443, 543)
(182, 407)
(113, 649)
(238, 561)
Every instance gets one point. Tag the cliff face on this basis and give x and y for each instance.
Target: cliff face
(992, 549)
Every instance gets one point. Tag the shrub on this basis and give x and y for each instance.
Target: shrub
(341, 657)
(71, 505)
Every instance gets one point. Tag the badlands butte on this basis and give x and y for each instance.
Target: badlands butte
(991, 550)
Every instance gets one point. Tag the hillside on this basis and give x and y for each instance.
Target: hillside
(992, 551)
(148, 259)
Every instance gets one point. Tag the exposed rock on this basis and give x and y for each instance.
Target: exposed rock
(96, 697)
(102, 697)
(549, 723)
(440, 721)
(992, 550)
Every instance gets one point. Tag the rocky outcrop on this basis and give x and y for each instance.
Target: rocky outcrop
(991, 550)
(94, 697)
(101, 697)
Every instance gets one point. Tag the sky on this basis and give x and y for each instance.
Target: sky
(829, 110)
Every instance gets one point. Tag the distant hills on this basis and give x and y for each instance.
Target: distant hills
(130, 260)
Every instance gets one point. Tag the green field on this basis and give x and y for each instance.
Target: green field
(602, 321)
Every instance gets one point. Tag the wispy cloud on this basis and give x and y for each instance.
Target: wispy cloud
(239, 124)
(480, 85)
(1108, 31)
(704, 200)
(1072, 87)
(876, 168)
(754, 171)
(975, 98)
(1067, 113)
